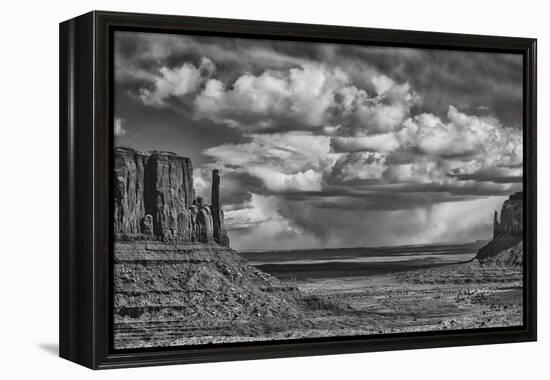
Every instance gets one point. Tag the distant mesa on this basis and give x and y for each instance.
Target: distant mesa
(154, 199)
(507, 240)
(511, 217)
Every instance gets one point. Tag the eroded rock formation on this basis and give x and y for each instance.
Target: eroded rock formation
(508, 232)
(220, 235)
(511, 216)
(154, 199)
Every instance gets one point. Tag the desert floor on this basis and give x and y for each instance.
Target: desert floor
(449, 297)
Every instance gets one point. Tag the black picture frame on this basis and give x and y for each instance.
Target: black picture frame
(86, 124)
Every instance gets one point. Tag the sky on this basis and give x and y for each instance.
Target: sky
(329, 145)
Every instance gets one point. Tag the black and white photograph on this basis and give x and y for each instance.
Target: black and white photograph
(256, 190)
(276, 190)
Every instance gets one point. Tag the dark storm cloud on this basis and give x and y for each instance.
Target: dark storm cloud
(329, 145)
(481, 83)
(488, 176)
(369, 196)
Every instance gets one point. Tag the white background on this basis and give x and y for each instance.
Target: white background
(29, 187)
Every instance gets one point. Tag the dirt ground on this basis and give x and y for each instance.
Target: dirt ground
(452, 297)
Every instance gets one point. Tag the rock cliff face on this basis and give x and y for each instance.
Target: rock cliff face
(154, 199)
(508, 233)
(511, 216)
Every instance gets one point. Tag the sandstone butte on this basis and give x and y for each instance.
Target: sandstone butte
(507, 244)
(154, 200)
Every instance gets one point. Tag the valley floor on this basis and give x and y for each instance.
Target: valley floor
(452, 297)
(449, 297)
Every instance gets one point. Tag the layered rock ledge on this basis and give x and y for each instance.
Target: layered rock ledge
(167, 293)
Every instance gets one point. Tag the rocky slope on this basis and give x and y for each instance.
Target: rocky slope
(507, 243)
(154, 199)
(205, 289)
(512, 256)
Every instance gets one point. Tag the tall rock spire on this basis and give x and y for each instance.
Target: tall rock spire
(215, 200)
(220, 235)
(496, 225)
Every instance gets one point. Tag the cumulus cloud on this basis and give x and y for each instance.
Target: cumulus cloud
(428, 149)
(382, 84)
(275, 180)
(422, 170)
(258, 210)
(381, 113)
(201, 184)
(176, 82)
(119, 130)
(359, 165)
(303, 93)
(282, 161)
(461, 135)
(386, 142)
(312, 95)
(435, 161)
(464, 135)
